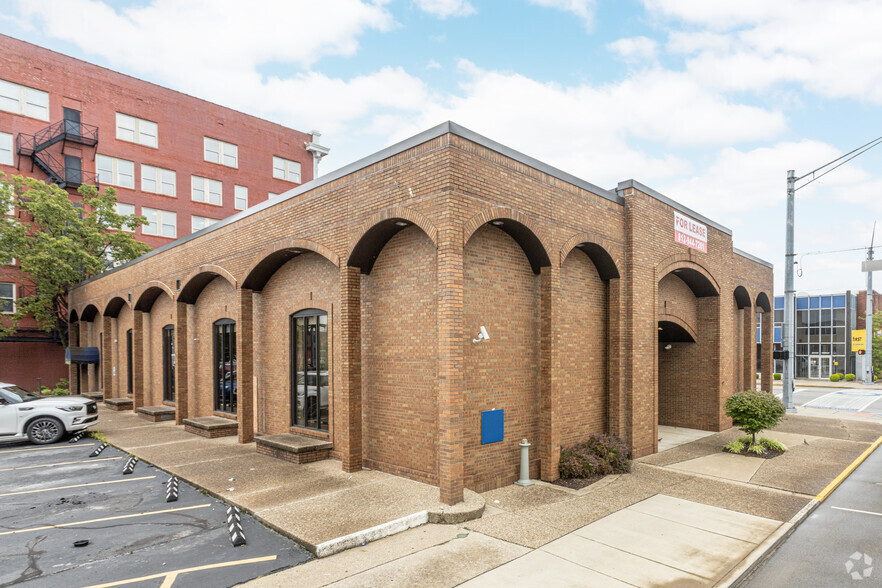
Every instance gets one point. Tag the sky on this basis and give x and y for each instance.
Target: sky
(709, 103)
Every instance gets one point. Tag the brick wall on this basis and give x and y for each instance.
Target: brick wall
(583, 339)
(501, 292)
(399, 342)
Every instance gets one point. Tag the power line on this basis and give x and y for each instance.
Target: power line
(859, 151)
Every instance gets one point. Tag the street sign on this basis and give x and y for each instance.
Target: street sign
(872, 266)
(859, 340)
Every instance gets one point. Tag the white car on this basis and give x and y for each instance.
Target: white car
(43, 420)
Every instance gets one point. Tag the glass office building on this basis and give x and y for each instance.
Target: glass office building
(823, 334)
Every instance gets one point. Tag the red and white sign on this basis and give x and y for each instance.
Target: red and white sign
(690, 233)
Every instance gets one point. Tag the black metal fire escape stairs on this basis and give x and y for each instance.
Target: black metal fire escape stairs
(67, 173)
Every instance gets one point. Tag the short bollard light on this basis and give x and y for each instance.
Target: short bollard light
(525, 464)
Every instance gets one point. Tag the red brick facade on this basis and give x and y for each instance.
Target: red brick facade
(183, 123)
(410, 252)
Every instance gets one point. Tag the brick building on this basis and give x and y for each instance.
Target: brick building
(182, 162)
(344, 317)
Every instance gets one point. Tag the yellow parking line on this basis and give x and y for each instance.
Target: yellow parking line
(129, 516)
(77, 486)
(170, 576)
(847, 471)
(47, 448)
(49, 465)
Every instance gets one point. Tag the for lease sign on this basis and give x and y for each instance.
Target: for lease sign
(690, 233)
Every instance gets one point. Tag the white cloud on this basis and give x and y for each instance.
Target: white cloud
(584, 9)
(634, 49)
(827, 48)
(433, 64)
(446, 8)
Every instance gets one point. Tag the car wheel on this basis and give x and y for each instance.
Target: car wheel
(45, 430)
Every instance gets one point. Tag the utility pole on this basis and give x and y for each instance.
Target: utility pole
(789, 298)
(868, 354)
(789, 257)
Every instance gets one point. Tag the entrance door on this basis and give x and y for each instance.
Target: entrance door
(309, 369)
(129, 362)
(826, 364)
(225, 366)
(72, 122)
(168, 363)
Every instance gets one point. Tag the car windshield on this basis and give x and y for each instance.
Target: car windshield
(15, 395)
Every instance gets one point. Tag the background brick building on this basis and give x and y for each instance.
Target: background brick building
(357, 298)
(182, 162)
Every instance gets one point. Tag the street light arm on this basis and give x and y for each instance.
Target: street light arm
(859, 151)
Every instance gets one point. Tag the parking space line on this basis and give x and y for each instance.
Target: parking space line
(47, 448)
(878, 514)
(171, 575)
(76, 486)
(116, 518)
(49, 465)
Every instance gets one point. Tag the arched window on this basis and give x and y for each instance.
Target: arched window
(309, 369)
(225, 365)
(168, 363)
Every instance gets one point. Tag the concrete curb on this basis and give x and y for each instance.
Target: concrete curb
(367, 535)
(755, 558)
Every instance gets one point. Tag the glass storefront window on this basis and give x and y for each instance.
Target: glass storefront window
(802, 318)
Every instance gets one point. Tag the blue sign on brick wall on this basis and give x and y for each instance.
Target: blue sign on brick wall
(492, 426)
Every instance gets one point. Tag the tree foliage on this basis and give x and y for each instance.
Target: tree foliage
(57, 243)
(877, 343)
(753, 411)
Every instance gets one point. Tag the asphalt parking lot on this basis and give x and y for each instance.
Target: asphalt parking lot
(52, 496)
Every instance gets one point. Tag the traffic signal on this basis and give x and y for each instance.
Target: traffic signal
(861, 351)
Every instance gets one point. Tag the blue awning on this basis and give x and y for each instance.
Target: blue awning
(81, 355)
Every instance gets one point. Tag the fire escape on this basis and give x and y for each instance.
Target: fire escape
(62, 169)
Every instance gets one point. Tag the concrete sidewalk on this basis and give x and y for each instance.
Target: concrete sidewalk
(323, 508)
(682, 517)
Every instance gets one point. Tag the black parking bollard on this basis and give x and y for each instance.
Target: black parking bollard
(234, 525)
(98, 450)
(171, 490)
(130, 465)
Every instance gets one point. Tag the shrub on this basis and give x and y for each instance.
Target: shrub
(772, 444)
(756, 448)
(753, 411)
(776, 376)
(600, 455)
(736, 446)
(59, 390)
(849, 377)
(835, 377)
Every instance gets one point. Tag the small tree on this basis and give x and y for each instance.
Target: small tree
(877, 342)
(753, 411)
(58, 243)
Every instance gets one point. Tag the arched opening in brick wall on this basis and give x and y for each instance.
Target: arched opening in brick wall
(399, 349)
(501, 291)
(763, 335)
(742, 340)
(585, 323)
(213, 298)
(157, 348)
(88, 326)
(688, 319)
(285, 282)
(121, 320)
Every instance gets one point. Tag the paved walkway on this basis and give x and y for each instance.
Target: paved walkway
(687, 515)
(669, 521)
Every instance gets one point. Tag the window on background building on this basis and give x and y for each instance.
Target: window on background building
(159, 222)
(114, 171)
(20, 99)
(225, 365)
(206, 190)
(222, 153)
(285, 169)
(5, 149)
(7, 298)
(309, 369)
(200, 222)
(158, 180)
(128, 210)
(137, 130)
(241, 196)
